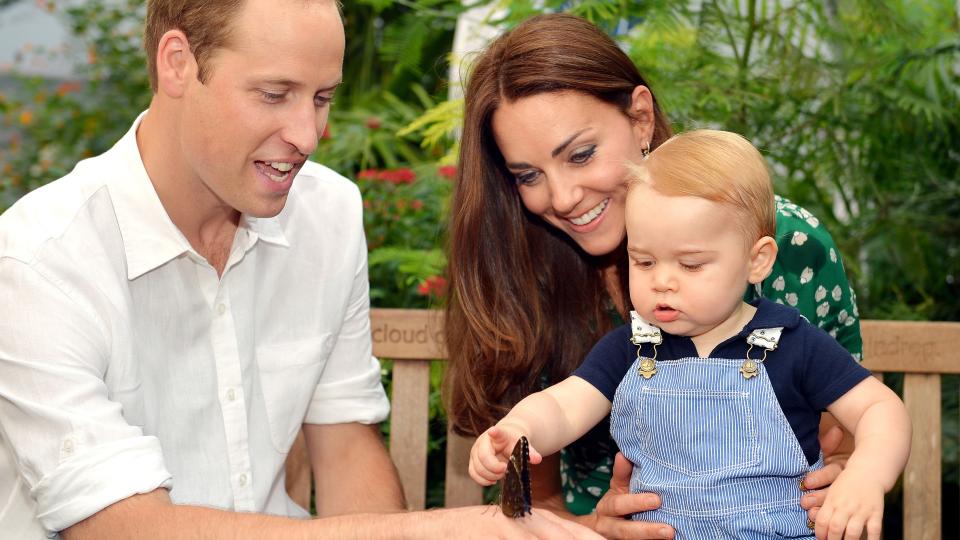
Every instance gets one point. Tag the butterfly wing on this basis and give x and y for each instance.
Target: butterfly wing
(515, 494)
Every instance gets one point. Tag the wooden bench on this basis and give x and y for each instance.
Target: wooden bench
(923, 351)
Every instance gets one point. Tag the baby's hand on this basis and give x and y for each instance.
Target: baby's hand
(854, 503)
(491, 453)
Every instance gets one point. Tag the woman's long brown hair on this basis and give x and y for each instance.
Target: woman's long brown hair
(525, 301)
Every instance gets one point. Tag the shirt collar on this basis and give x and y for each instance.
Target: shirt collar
(150, 239)
(771, 315)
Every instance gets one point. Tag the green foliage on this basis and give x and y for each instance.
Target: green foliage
(56, 125)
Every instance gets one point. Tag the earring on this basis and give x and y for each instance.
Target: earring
(645, 151)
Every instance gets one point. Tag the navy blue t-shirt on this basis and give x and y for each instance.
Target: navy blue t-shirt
(809, 370)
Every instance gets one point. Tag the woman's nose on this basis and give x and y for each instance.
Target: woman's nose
(565, 193)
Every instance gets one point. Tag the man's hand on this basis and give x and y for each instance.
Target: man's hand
(486, 522)
(618, 503)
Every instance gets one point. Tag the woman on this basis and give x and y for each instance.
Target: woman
(554, 112)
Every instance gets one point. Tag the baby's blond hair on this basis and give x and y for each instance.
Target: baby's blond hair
(719, 166)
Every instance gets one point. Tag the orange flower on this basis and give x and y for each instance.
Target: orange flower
(67, 87)
(26, 117)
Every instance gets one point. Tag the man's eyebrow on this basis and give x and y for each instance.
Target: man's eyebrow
(560, 148)
(290, 83)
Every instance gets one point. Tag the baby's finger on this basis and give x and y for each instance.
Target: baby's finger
(482, 474)
(822, 522)
(535, 456)
(498, 439)
(874, 525)
(854, 528)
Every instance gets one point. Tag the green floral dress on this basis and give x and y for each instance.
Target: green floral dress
(808, 275)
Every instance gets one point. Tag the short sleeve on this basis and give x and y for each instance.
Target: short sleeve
(828, 370)
(808, 275)
(608, 361)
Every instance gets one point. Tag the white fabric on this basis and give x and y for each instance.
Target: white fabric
(127, 364)
(643, 332)
(768, 338)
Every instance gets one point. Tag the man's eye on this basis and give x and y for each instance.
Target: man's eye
(271, 97)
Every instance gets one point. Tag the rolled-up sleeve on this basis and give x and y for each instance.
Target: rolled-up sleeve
(350, 389)
(71, 443)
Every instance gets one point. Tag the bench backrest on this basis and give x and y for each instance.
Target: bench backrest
(923, 351)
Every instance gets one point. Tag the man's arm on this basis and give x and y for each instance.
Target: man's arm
(352, 470)
(153, 516)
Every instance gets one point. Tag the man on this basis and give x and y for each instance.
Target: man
(175, 309)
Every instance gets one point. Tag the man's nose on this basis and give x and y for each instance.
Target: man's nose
(303, 127)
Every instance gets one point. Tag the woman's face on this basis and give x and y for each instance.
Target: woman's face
(568, 153)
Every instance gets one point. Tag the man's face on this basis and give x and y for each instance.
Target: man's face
(247, 131)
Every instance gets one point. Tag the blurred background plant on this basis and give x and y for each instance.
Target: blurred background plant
(854, 102)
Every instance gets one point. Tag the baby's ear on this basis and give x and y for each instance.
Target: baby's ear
(762, 255)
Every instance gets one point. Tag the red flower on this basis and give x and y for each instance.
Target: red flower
(373, 122)
(447, 171)
(326, 132)
(416, 204)
(398, 176)
(367, 174)
(433, 286)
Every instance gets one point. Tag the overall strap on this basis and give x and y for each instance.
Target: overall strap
(644, 332)
(765, 338)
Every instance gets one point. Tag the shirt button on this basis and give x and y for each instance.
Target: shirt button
(242, 480)
(231, 394)
(68, 446)
(221, 308)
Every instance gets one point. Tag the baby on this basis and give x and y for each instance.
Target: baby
(716, 402)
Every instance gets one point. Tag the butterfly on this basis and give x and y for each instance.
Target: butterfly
(515, 488)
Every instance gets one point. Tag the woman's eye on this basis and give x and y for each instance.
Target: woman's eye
(584, 155)
(525, 178)
(320, 101)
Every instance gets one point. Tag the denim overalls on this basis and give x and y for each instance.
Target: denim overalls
(709, 437)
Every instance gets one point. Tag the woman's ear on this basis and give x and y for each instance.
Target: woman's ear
(762, 255)
(641, 110)
(176, 65)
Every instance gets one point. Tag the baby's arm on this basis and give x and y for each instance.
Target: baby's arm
(550, 419)
(881, 428)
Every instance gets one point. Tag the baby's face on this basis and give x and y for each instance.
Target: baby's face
(689, 261)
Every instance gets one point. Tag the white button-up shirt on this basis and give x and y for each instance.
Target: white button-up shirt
(127, 364)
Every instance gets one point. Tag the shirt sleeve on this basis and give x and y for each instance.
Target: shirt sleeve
(808, 274)
(828, 370)
(70, 441)
(608, 361)
(350, 389)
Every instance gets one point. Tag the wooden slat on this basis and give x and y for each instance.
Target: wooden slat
(407, 333)
(921, 479)
(459, 489)
(911, 346)
(409, 420)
